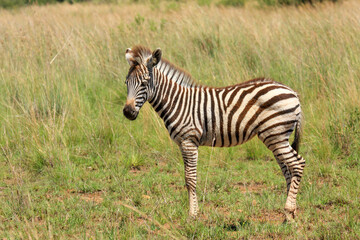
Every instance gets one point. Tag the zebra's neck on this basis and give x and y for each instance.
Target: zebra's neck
(166, 95)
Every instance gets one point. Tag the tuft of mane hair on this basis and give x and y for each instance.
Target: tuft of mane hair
(141, 52)
(171, 71)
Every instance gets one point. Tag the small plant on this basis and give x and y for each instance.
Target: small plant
(139, 20)
(232, 3)
(137, 23)
(134, 161)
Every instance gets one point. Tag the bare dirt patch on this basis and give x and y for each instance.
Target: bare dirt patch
(273, 216)
(328, 206)
(135, 170)
(252, 187)
(95, 197)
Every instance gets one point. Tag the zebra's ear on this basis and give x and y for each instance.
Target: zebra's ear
(131, 59)
(155, 57)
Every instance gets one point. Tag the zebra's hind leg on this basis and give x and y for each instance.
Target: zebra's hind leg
(277, 153)
(189, 151)
(292, 165)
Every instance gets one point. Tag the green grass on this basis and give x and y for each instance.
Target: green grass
(72, 166)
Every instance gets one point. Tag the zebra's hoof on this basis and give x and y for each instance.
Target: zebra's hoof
(289, 216)
(193, 215)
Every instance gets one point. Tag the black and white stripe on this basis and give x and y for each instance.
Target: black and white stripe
(198, 115)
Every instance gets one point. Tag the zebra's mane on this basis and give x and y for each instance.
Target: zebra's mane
(171, 71)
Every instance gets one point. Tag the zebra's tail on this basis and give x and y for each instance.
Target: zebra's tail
(296, 144)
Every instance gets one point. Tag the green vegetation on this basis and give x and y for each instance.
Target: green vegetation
(17, 3)
(171, 3)
(72, 166)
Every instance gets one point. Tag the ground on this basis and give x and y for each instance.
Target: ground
(72, 166)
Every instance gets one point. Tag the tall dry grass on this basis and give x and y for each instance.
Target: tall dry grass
(62, 70)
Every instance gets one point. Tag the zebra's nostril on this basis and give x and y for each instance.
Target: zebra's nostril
(129, 113)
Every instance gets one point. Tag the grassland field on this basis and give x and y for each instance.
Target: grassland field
(72, 166)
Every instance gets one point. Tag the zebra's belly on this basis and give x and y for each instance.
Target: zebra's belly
(226, 131)
(241, 127)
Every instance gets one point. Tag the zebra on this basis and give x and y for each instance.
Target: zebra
(197, 115)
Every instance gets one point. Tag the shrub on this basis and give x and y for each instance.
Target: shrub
(19, 3)
(292, 2)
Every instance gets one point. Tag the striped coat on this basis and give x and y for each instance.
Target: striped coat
(198, 115)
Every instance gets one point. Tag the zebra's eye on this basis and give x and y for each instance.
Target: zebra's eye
(144, 82)
(145, 79)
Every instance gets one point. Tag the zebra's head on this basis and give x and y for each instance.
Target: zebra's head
(139, 80)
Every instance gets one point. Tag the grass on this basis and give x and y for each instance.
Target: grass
(73, 167)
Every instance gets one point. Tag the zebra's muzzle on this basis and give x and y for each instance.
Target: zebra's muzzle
(130, 113)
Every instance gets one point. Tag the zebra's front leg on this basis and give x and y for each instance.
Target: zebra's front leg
(189, 152)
